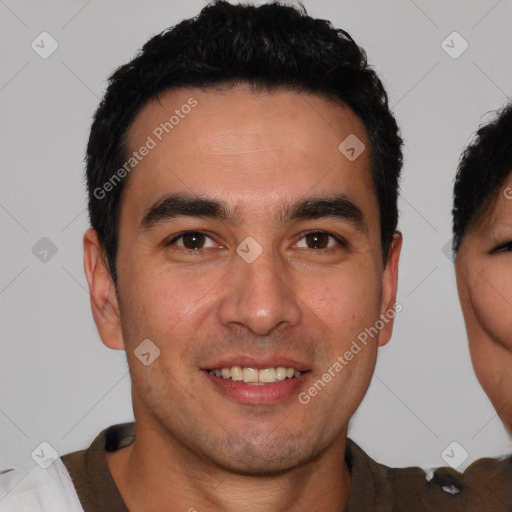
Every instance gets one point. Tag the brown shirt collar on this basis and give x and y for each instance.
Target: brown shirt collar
(374, 487)
(91, 477)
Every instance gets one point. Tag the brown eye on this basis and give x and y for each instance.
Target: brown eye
(320, 240)
(193, 240)
(317, 240)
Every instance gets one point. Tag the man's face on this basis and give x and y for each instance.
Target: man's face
(484, 280)
(193, 285)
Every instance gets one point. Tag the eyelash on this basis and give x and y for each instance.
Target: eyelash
(190, 251)
(342, 242)
(502, 248)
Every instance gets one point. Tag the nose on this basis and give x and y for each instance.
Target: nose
(260, 296)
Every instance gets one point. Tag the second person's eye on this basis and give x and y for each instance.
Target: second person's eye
(503, 247)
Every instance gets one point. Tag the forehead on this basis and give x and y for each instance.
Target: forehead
(247, 145)
(498, 211)
(494, 220)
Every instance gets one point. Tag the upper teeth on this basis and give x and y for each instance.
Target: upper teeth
(253, 375)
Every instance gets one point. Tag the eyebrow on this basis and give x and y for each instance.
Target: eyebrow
(338, 206)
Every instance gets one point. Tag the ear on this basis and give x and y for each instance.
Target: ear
(388, 307)
(104, 305)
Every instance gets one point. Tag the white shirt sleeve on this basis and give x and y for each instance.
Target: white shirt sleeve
(39, 490)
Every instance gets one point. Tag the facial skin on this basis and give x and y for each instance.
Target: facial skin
(257, 153)
(484, 284)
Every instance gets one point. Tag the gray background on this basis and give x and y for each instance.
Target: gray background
(60, 384)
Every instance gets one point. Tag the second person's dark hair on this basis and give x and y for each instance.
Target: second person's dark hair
(483, 167)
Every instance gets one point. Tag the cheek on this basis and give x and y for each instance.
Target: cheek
(156, 303)
(491, 297)
(347, 302)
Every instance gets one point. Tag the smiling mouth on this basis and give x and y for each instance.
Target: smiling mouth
(255, 376)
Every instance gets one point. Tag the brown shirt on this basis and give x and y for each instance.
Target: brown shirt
(485, 486)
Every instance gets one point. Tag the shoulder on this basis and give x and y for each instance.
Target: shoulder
(38, 490)
(379, 487)
(485, 485)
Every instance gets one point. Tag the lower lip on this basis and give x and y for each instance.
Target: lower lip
(258, 394)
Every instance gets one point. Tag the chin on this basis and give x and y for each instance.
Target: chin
(266, 459)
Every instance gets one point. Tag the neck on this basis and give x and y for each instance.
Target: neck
(157, 474)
